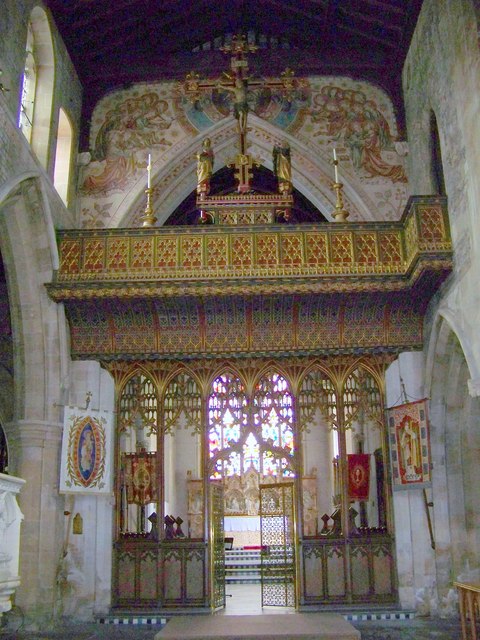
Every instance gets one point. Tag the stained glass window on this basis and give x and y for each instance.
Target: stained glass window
(273, 421)
(247, 434)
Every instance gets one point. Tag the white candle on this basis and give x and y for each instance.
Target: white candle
(149, 171)
(335, 164)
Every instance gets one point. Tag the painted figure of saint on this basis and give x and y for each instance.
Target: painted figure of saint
(410, 446)
(87, 446)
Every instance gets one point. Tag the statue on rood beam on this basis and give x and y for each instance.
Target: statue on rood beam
(205, 160)
(282, 167)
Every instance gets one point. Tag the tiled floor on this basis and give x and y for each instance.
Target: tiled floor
(242, 600)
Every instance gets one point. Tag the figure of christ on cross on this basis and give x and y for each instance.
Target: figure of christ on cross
(238, 84)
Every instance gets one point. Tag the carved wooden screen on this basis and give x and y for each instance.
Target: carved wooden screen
(365, 450)
(138, 479)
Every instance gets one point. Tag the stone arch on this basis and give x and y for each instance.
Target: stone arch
(41, 369)
(455, 439)
(175, 179)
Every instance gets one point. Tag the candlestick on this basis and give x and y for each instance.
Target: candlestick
(149, 171)
(335, 164)
(340, 214)
(148, 218)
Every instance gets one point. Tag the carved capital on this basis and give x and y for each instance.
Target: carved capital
(34, 433)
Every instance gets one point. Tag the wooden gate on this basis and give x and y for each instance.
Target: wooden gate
(277, 529)
(217, 547)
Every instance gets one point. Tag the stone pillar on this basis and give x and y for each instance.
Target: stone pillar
(10, 520)
(35, 451)
(415, 557)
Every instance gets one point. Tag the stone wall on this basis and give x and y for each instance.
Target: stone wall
(16, 157)
(442, 75)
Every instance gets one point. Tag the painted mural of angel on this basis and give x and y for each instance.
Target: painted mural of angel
(133, 124)
(348, 115)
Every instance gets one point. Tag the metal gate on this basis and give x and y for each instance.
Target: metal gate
(277, 533)
(217, 547)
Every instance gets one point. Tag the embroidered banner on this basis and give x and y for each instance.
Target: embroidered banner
(358, 476)
(409, 445)
(86, 464)
(140, 477)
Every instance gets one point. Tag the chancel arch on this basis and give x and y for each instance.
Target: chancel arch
(175, 178)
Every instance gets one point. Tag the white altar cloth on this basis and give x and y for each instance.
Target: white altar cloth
(241, 523)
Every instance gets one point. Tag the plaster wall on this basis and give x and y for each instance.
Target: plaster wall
(85, 567)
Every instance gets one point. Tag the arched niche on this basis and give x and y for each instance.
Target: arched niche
(182, 450)
(317, 425)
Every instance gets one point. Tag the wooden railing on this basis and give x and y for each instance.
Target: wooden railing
(188, 255)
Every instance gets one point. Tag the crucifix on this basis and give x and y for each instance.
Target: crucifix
(238, 83)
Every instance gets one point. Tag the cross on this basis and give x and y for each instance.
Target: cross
(238, 83)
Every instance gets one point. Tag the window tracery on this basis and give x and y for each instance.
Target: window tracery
(248, 433)
(182, 399)
(317, 393)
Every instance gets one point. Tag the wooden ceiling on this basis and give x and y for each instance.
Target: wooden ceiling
(116, 43)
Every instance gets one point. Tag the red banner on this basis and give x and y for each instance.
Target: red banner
(358, 476)
(140, 477)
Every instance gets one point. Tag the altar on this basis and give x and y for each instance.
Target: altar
(241, 524)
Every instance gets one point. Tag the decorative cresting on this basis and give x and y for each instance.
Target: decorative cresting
(131, 263)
